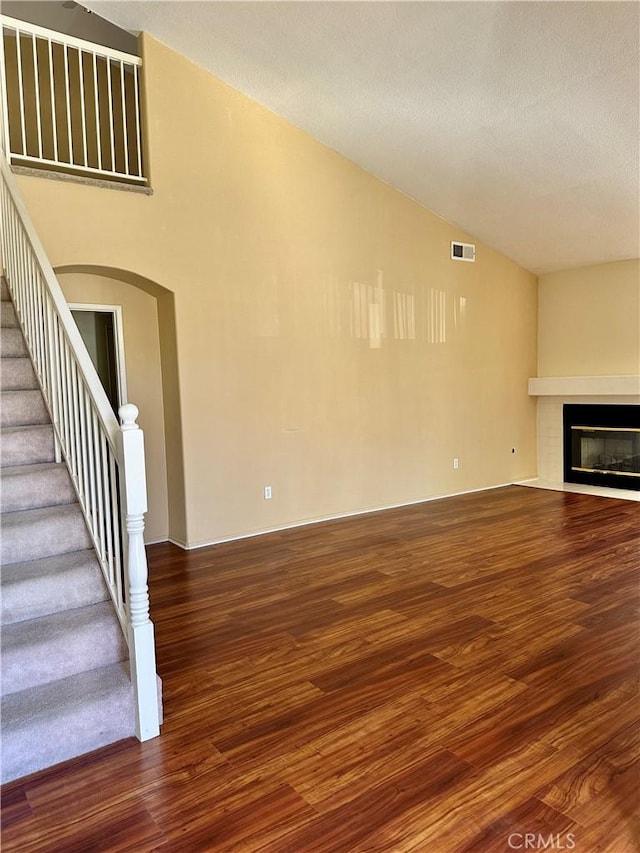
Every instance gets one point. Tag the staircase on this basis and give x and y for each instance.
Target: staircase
(66, 687)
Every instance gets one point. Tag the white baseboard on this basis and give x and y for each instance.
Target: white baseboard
(195, 545)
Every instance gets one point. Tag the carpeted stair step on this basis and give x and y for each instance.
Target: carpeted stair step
(12, 344)
(65, 676)
(22, 408)
(62, 719)
(50, 585)
(17, 374)
(41, 650)
(31, 534)
(32, 486)
(8, 316)
(26, 445)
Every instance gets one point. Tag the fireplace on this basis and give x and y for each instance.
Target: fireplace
(602, 445)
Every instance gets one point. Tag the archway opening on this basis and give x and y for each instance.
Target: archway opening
(152, 378)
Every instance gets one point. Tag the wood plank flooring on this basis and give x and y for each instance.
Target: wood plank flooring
(459, 676)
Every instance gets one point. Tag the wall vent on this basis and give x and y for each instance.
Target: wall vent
(463, 252)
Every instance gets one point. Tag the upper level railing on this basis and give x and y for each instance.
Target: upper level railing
(70, 105)
(105, 459)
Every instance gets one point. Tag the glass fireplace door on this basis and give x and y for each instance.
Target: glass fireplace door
(611, 450)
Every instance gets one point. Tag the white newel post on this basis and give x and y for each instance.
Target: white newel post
(141, 640)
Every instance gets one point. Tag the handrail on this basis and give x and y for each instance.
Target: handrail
(105, 459)
(75, 105)
(72, 41)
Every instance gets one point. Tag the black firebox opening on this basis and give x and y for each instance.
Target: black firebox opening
(602, 445)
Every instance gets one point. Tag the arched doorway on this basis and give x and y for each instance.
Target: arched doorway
(148, 329)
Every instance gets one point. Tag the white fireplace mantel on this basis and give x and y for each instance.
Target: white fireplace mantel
(584, 386)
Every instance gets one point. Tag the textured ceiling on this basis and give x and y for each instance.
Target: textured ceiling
(517, 121)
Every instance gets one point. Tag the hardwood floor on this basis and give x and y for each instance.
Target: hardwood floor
(459, 676)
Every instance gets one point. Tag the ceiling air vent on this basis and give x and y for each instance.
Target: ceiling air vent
(463, 252)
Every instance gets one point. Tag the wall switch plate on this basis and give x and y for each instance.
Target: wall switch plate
(455, 462)
(267, 493)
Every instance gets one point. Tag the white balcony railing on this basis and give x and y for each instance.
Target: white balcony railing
(105, 458)
(70, 105)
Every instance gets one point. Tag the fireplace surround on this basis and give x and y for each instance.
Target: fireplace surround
(601, 445)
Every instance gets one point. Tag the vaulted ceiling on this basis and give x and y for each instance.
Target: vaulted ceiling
(517, 121)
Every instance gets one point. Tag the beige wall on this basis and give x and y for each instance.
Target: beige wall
(589, 321)
(324, 342)
(143, 375)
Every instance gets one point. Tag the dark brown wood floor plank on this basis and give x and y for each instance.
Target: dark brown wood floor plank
(497, 648)
(610, 819)
(432, 677)
(587, 778)
(124, 829)
(335, 768)
(15, 807)
(534, 714)
(572, 660)
(360, 821)
(461, 813)
(531, 823)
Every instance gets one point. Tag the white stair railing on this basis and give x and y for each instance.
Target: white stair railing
(105, 459)
(69, 104)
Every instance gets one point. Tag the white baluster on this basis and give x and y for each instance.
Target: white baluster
(4, 108)
(125, 137)
(141, 641)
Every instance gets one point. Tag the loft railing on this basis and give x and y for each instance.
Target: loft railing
(70, 105)
(105, 458)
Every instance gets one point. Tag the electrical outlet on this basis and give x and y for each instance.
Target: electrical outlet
(267, 493)
(455, 462)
